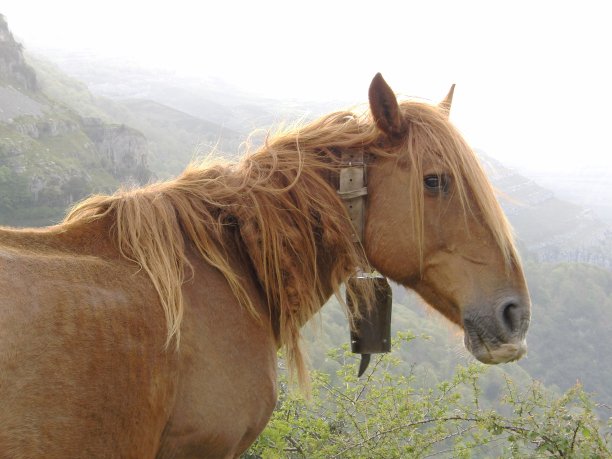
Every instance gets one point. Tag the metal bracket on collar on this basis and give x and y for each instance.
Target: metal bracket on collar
(353, 189)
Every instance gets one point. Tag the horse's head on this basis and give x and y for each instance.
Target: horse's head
(433, 224)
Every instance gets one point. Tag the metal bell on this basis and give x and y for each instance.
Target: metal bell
(371, 333)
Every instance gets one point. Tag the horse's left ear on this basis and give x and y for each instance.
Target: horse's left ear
(385, 109)
(445, 105)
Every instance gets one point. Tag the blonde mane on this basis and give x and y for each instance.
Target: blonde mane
(278, 206)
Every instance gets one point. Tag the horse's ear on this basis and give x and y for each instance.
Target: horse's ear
(385, 109)
(445, 105)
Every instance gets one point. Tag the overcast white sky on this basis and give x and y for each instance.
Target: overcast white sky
(533, 77)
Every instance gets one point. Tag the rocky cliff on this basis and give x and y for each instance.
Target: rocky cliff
(552, 229)
(123, 150)
(13, 68)
(50, 155)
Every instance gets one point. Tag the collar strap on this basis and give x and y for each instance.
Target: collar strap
(352, 189)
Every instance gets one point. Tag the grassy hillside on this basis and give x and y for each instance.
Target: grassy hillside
(552, 230)
(571, 333)
(56, 147)
(43, 172)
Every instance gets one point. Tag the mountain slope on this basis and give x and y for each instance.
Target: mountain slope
(13, 68)
(176, 138)
(51, 156)
(551, 229)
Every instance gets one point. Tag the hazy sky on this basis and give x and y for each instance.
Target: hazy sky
(533, 77)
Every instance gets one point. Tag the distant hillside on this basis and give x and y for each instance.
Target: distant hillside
(13, 68)
(588, 185)
(571, 332)
(176, 138)
(210, 99)
(551, 229)
(50, 155)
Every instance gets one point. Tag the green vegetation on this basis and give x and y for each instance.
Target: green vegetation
(52, 154)
(386, 414)
(45, 166)
(570, 337)
(62, 89)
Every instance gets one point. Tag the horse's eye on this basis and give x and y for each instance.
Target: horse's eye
(436, 183)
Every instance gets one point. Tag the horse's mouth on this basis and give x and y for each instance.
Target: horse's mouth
(491, 350)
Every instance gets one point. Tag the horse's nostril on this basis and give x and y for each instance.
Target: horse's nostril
(511, 317)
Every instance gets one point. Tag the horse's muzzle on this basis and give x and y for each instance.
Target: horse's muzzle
(497, 336)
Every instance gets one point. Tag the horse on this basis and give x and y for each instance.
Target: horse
(147, 323)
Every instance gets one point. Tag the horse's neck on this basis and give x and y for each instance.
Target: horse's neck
(304, 293)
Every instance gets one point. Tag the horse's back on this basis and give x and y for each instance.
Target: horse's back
(84, 372)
